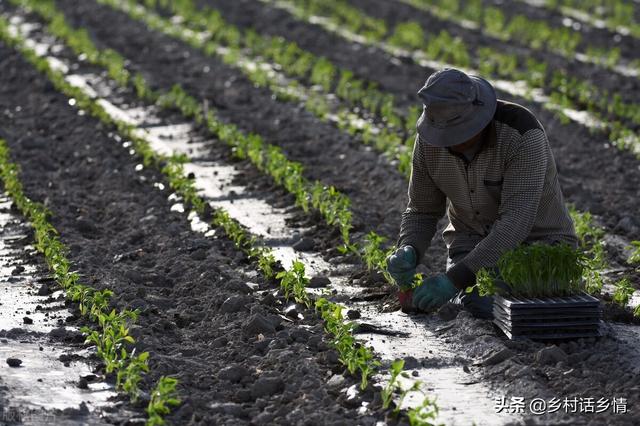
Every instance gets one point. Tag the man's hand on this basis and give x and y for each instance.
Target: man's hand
(401, 265)
(434, 292)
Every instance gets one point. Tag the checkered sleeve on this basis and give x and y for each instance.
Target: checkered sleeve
(426, 205)
(523, 183)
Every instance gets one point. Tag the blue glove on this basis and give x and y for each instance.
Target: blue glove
(434, 292)
(401, 265)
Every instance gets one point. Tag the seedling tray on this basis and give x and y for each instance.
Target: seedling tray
(548, 318)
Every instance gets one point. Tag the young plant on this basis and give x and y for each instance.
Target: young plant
(424, 414)
(163, 397)
(624, 291)
(294, 283)
(635, 253)
(393, 385)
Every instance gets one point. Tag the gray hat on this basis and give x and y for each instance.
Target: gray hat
(457, 106)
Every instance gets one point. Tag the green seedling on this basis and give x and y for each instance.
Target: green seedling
(163, 397)
(624, 291)
(425, 414)
(353, 355)
(393, 385)
(635, 253)
(294, 283)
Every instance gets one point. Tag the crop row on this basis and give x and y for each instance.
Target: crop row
(533, 33)
(334, 206)
(206, 31)
(111, 336)
(357, 358)
(410, 38)
(110, 332)
(616, 15)
(298, 63)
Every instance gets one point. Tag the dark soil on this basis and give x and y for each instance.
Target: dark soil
(584, 368)
(237, 359)
(328, 154)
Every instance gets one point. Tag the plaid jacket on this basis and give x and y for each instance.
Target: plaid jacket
(507, 194)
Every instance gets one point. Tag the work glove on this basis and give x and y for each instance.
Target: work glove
(401, 265)
(433, 292)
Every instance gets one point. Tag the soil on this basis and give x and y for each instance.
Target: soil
(584, 368)
(238, 360)
(343, 162)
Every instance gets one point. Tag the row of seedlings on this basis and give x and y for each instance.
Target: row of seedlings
(333, 205)
(615, 15)
(110, 330)
(592, 245)
(409, 39)
(536, 34)
(357, 358)
(205, 30)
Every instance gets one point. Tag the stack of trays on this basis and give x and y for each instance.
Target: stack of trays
(548, 318)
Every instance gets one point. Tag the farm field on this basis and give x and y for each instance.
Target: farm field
(199, 197)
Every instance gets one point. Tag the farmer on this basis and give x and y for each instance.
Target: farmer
(491, 160)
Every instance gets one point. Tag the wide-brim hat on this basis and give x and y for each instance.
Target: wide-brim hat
(457, 106)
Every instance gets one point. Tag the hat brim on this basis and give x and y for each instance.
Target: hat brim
(462, 132)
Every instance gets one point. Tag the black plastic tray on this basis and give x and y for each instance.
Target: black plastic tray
(549, 324)
(541, 315)
(583, 300)
(549, 318)
(555, 334)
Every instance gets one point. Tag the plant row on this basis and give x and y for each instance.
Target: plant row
(617, 15)
(266, 158)
(110, 332)
(534, 33)
(111, 336)
(172, 167)
(592, 245)
(362, 104)
(292, 60)
(333, 205)
(410, 37)
(357, 358)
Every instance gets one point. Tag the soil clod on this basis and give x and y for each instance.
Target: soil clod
(14, 362)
